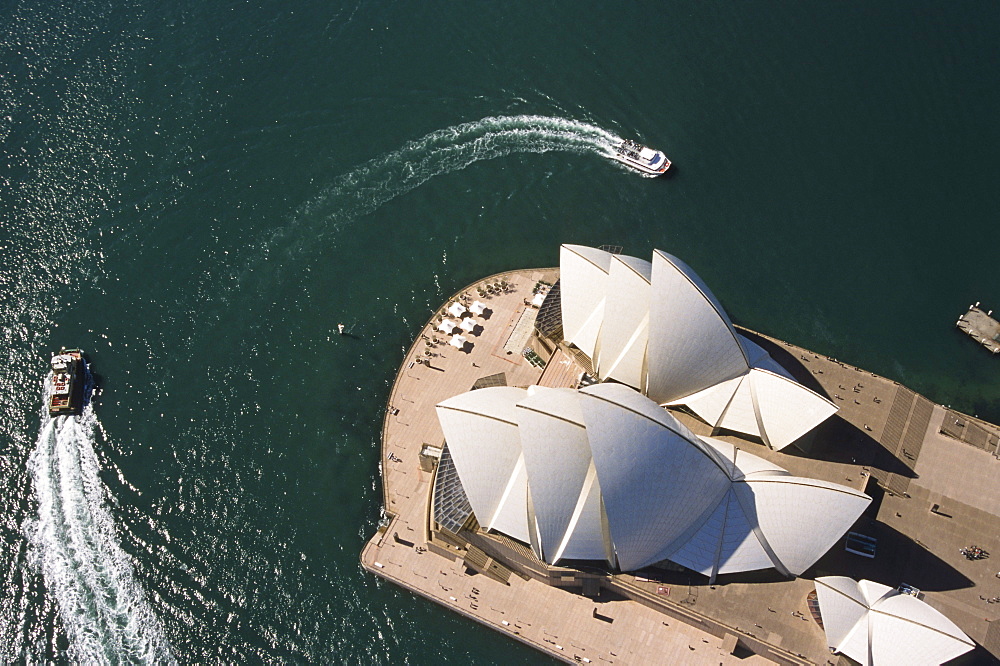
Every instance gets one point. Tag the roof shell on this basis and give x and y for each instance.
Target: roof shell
(654, 480)
(657, 327)
(564, 487)
(608, 474)
(621, 348)
(876, 625)
(761, 403)
(493, 476)
(692, 343)
(583, 275)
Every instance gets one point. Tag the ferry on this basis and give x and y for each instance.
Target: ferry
(68, 377)
(641, 158)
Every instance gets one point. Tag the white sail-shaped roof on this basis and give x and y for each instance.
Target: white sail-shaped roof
(654, 474)
(785, 509)
(564, 487)
(787, 410)
(741, 413)
(583, 276)
(876, 625)
(610, 475)
(763, 404)
(493, 476)
(692, 343)
(768, 519)
(725, 542)
(621, 348)
(656, 326)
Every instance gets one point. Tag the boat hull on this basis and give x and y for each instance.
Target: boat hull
(641, 167)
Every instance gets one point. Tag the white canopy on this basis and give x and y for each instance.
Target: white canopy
(876, 625)
(468, 324)
(447, 326)
(456, 309)
(647, 153)
(458, 341)
(692, 344)
(612, 476)
(538, 300)
(477, 307)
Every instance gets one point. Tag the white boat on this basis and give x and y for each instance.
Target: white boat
(641, 158)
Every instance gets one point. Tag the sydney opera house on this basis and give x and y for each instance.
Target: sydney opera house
(615, 436)
(605, 473)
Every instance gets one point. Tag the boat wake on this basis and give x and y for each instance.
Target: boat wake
(74, 542)
(369, 186)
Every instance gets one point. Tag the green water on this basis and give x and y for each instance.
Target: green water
(197, 193)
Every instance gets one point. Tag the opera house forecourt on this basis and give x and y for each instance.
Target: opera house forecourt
(593, 460)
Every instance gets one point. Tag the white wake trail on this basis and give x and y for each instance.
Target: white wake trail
(370, 185)
(74, 541)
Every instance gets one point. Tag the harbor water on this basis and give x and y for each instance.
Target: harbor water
(198, 193)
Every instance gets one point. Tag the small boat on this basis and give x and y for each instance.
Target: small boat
(641, 158)
(68, 377)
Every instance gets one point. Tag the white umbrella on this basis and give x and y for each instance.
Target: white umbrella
(458, 341)
(477, 307)
(447, 325)
(456, 309)
(468, 324)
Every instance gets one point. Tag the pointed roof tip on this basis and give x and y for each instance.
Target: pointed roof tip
(599, 258)
(641, 267)
(496, 402)
(692, 276)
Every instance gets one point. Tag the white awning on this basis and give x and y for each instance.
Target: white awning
(477, 307)
(447, 326)
(456, 309)
(458, 341)
(468, 324)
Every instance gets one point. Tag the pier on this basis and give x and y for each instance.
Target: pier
(981, 327)
(931, 471)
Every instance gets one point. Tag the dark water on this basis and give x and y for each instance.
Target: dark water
(197, 193)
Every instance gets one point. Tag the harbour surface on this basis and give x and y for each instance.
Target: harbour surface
(198, 193)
